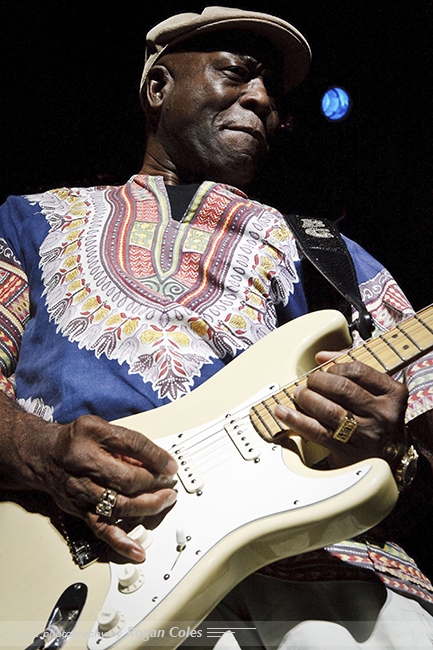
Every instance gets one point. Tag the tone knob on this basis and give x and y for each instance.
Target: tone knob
(108, 619)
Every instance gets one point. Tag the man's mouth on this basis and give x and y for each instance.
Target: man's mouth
(254, 133)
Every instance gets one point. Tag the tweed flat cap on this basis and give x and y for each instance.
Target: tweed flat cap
(182, 27)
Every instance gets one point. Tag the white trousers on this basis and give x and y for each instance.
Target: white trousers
(402, 624)
(272, 614)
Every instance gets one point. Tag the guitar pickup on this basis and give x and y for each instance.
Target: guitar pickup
(240, 433)
(188, 473)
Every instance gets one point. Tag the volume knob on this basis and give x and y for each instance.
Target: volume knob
(141, 535)
(127, 575)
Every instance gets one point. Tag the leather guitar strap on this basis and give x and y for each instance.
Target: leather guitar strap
(322, 244)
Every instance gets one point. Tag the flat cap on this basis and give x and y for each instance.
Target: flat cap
(182, 27)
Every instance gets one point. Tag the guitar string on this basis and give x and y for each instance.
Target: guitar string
(211, 455)
(197, 439)
(267, 419)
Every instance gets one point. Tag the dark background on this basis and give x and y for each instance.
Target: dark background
(70, 113)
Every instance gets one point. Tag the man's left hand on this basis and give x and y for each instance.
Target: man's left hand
(376, 402)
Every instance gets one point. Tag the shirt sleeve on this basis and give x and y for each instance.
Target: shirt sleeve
(14, 313)
(389, 306)
(419, 381)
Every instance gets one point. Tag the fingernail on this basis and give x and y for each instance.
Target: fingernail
(135, 551)
(172, 498)
(281, 411)
(171, 468)
(137, 555)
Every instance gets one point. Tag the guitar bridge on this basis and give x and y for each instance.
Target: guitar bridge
(85, 548)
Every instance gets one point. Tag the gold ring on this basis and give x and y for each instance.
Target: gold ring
(345, 429)
(106, 503)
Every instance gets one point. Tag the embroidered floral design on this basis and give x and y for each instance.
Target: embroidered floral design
(385, 300)
(37, 407)
(126, 281)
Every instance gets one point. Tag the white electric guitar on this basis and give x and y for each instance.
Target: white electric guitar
(243, 503)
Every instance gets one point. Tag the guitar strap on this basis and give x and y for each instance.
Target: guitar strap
(322, 244)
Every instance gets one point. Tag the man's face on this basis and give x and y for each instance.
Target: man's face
(218, 116)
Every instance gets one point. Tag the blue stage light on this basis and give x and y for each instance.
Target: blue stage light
(336, 104)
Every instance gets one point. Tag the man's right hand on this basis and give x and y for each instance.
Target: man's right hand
(75, 463)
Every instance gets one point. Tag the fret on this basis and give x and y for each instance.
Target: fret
(262, 414)
(367, 356)
(388, 352)
(403, 344)
(264, 420)
(285, 397)
(395, 358)
(421, 330)
(375, 361)
(261, 423)
(408, 336)
(286, 393)
(270, 412)
(426, 315)
(424, 323)
(384, 348)
(396, 348)
(301, 382)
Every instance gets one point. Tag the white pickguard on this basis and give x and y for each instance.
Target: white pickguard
(231, 498)
(247, 515)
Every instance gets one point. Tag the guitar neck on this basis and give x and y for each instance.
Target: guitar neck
(389, 352)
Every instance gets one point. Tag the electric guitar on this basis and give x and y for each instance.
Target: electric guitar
(244, 501)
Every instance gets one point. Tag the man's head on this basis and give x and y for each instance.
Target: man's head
(210, 88)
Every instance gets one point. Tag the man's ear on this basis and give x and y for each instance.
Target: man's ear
(158, 82)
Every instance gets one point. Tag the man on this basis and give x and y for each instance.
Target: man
(140, 293)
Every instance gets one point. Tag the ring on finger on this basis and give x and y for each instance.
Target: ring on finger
(345, 429)
(106, 503)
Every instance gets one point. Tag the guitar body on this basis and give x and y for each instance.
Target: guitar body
(243, 503)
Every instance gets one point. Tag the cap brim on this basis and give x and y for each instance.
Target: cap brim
(291, 43)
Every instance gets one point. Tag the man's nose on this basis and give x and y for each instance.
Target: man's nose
(256, 97)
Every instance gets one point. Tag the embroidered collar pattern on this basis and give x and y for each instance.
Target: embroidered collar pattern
(125, 280)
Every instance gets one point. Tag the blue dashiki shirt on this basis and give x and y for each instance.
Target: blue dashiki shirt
(111, 307)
